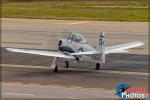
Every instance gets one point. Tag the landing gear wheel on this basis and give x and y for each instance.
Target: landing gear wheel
(56, 68)
(60, 43)
(97, 66)
(66, 64)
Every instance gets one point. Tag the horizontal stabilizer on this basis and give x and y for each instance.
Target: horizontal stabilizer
(85, 53)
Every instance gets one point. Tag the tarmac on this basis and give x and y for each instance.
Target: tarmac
(26, 76)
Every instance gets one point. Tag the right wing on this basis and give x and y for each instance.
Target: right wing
(113, 49)
(122, 47)
(41, 52)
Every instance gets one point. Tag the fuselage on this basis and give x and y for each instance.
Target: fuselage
(67, 46)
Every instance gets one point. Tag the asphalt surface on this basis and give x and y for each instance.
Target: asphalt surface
(26, 76)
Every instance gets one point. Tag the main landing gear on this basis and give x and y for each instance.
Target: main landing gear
(98, 65)
(66, 64)
(54, 65)
(55, 69)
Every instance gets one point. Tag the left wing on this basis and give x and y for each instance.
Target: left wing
(122, 47)
(40, 52)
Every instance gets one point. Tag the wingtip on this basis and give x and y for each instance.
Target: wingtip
(10, 49)
(7, 48)
(141, 43)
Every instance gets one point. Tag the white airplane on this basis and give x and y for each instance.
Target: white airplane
(76, 48)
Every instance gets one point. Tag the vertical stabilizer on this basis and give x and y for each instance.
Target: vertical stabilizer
(102, 46)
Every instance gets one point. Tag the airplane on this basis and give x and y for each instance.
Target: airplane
(75, 47)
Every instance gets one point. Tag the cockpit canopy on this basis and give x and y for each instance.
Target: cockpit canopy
(76, 37)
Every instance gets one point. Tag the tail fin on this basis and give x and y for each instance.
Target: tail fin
(102, 46)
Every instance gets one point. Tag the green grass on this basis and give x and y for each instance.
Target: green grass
(76, 9)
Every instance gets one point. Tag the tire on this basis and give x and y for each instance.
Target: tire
(66, 64)
(60, 43)
(97, 66)
(56, 69)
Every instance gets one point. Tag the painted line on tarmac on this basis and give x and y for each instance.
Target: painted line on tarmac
(125, 72)
(24, 66)
(54, 86)
(22, 43)
(20, 94)
(120, 6)
(100, 71)
(80, 22)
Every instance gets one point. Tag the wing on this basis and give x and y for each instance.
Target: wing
(40, 52)
(122, 47)
(85, 53)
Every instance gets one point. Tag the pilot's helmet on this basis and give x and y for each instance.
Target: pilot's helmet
(76, 37)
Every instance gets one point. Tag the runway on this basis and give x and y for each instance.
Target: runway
(57, 92)
(30, 82)
(30, 77)
(44, 34)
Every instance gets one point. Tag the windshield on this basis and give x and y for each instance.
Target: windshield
(76, 37)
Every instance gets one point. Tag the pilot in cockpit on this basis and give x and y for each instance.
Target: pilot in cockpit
(76, 37)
